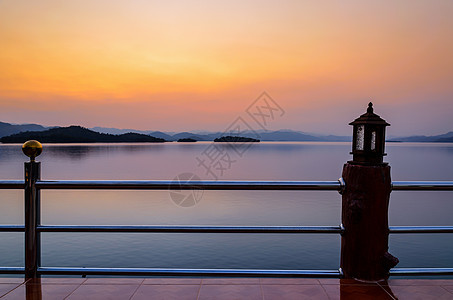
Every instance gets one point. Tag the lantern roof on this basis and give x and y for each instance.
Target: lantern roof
(370, 118)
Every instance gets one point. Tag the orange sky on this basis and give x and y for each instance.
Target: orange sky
(183, 65)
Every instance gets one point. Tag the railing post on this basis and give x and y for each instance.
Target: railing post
(364, 243)
(32, 209)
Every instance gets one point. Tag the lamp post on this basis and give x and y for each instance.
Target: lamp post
(364, 244)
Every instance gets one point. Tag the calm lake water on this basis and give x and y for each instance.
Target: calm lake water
(265, 160)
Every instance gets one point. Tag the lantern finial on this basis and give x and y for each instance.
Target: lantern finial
(368, 139)
(370, 108)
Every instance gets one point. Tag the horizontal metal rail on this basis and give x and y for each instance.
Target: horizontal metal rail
(12, 270)
(191, 229)
(189, 272)
(216, 272)
(421, 229)
(422, 185)
(205, 185)
(12, 228)
(12, 184)
(218, 229)
(420, 271)
(337, 185)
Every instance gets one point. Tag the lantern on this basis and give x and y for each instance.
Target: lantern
(368, 138)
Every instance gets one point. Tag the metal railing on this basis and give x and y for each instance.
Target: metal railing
(32, 227)
(421, 186)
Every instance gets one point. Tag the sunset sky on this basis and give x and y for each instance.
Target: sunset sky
(197, 65)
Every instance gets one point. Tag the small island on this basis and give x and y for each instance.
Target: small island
(235, 139)
(187, 140)
(78, 134)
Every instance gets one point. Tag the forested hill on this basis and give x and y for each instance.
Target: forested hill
(78, 134)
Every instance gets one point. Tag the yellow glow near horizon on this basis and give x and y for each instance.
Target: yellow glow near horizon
(188, 51)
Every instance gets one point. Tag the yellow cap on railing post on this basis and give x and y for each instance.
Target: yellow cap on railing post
(32, 149)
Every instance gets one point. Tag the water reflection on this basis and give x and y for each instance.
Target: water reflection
(33, 289)
(354, 289)
(265, 161)
(71, 152)
(78, 152)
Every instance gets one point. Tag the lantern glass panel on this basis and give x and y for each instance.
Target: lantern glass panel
(373, 141)
(360, 137)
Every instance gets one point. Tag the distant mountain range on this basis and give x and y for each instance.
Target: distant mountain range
(7, 129)
(442, 138)
(279, 135)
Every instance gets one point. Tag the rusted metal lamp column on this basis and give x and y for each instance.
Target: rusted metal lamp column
(32, 208)
(364, 244)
